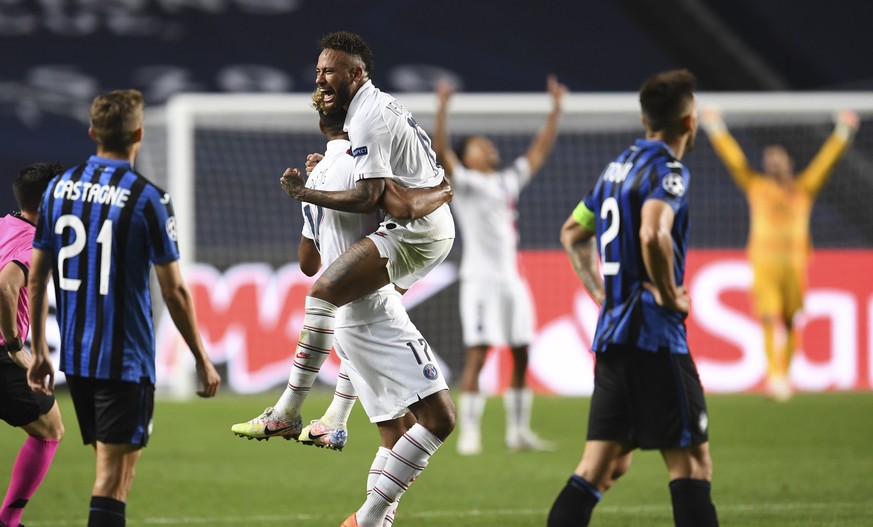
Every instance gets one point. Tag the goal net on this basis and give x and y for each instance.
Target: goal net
(221, 156)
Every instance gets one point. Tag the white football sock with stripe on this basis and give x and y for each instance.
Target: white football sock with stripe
(518, 403)
(344, 397)
(313, 348)
(405, 462)
(375, 471)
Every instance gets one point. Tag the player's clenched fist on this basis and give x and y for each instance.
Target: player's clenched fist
(292, 183)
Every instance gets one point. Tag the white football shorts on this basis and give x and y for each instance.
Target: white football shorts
(390, 365)
(408, 261)
(496, 312)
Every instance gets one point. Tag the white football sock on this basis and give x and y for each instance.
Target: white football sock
(518, 403)
(344, 397)
(313, 348)
(471, 406)
(406, 461)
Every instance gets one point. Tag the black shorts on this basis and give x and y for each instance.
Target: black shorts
(19, 405)
(113, 412)
(650, 400)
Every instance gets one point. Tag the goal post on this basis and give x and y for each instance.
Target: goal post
(220, 157)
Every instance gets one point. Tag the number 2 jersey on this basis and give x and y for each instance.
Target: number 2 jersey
(104, 225)
(629, 315)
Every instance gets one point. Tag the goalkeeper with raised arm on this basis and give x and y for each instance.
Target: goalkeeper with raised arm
(779, 244)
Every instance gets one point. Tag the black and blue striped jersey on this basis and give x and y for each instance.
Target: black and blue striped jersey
(104, 225)
(647, 170)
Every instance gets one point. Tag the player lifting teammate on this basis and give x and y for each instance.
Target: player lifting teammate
(386, 143)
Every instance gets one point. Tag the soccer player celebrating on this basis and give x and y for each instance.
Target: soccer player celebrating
(386, 143)
(101, 226)
(496, 306)
(779, 243)
(373, 334)
(35, 413)
(647, 393)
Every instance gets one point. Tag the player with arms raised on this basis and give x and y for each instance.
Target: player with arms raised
(779, 246)
(647, 393)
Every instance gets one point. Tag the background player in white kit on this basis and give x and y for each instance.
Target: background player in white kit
(496, 306)
(386, 142)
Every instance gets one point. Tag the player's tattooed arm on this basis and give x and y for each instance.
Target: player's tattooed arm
(579, 243)
(365, 197)
(412, 203)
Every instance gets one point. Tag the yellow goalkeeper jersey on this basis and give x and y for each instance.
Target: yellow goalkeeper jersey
(779, 214)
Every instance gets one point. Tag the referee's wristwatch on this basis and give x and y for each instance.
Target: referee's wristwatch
(13, 345)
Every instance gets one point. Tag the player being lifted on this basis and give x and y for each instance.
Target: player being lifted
(386, 142)
(647, 393)
(779, 242)
(373, 335)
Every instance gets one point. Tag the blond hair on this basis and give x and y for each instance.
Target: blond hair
(115, 118)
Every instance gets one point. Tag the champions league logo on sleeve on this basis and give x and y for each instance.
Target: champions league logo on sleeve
(431, 372)
(674, 185)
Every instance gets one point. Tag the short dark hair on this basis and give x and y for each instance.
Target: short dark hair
(665, 97)
(115, 117)
(332, 122)
(31, 183)
(350, 43)
(462, 145)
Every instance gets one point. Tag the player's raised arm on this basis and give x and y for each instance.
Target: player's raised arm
(578, 239)
(365, 197)
(822, 165)
(413, 203)
(656, 243)
(441, 145)
(41, 374)
(181, 308)
(543, 143)
(726, 147)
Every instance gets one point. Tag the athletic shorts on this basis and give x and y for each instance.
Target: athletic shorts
(19, 405)
(113, 412)
(390, 365)
(778, 288)
(409, 258)
(650, 400)
(496, 312)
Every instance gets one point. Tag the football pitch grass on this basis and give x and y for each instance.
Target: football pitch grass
(805, 463)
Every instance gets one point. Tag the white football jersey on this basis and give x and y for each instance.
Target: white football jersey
(387, 142)
(334, 231)
(485, 205)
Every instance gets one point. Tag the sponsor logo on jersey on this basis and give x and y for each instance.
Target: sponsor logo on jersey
(674, 185)
(431, 372)
(360, 151)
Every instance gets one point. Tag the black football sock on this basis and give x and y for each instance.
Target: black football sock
(692, 503)
(106, 512)
(574, 504)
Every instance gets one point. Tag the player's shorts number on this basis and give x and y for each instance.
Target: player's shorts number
(104, 239)
(610, 210)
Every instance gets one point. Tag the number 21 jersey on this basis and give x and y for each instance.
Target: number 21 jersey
(104, 225)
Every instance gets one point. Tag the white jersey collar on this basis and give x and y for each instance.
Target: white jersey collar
(356, 102)
(337, 146)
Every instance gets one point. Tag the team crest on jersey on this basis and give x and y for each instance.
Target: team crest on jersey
(674, 185)
(431, 372)
(360, 151)
(703, 422)
(171, 228)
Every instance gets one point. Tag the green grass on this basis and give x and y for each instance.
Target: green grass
(806, 463)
